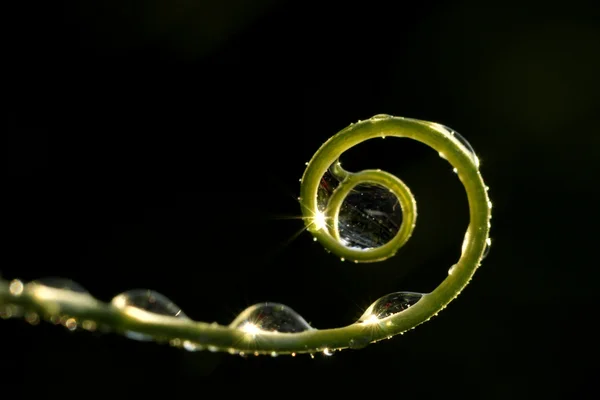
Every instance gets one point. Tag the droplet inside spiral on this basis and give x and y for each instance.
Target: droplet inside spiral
(370, 216)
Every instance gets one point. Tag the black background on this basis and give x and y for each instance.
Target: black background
(158, 144)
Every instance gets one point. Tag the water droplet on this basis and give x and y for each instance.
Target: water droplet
(327, 352)
(147, 300)
(370, 216)
(60, 283)
(32, 317)
(380, 116)
(390, 304)
(190, 346)
(465, 144)
(358, 343)
(451, 270)
(71, 324)
(274, 354)
(10, 311)
(488, 246)
(16, 287)
(89, 325)
(273, 317)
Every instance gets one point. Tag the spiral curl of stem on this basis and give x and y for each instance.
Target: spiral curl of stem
(323, 225)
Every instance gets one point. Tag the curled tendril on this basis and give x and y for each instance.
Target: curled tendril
(323, 224)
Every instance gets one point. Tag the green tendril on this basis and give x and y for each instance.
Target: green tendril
(38, 300)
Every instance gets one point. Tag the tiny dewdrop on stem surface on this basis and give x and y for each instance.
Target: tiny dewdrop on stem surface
(358, 217)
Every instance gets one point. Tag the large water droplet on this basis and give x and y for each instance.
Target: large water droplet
(60, 283)
(390, 304)
(147, 300)
(370, 216)
(273, 317)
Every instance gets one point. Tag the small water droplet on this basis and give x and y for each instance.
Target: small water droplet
(274, 354)
(442, 156)
(488, 246)
(312, 356)
(390, 304)
(10, 311)
(458, 138)
(60, 283)
(272, 317)
(147, 300)
(358, 343)
(89, 325)
(327, 352)
(32, 317)
(191, 346)
(15, 287)
(380, 117)
(370, 217)
(71, 324)
(451, 270)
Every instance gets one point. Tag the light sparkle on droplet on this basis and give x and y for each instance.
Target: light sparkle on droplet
(319, 220)
(371, 320)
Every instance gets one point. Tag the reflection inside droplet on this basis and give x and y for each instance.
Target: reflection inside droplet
(327, 186)
(370, 216)
(147, 300)
(272, 317)
(388, 305)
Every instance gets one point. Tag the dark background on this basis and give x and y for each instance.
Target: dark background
(158, 144)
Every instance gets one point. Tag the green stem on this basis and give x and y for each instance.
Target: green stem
(47, 301)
